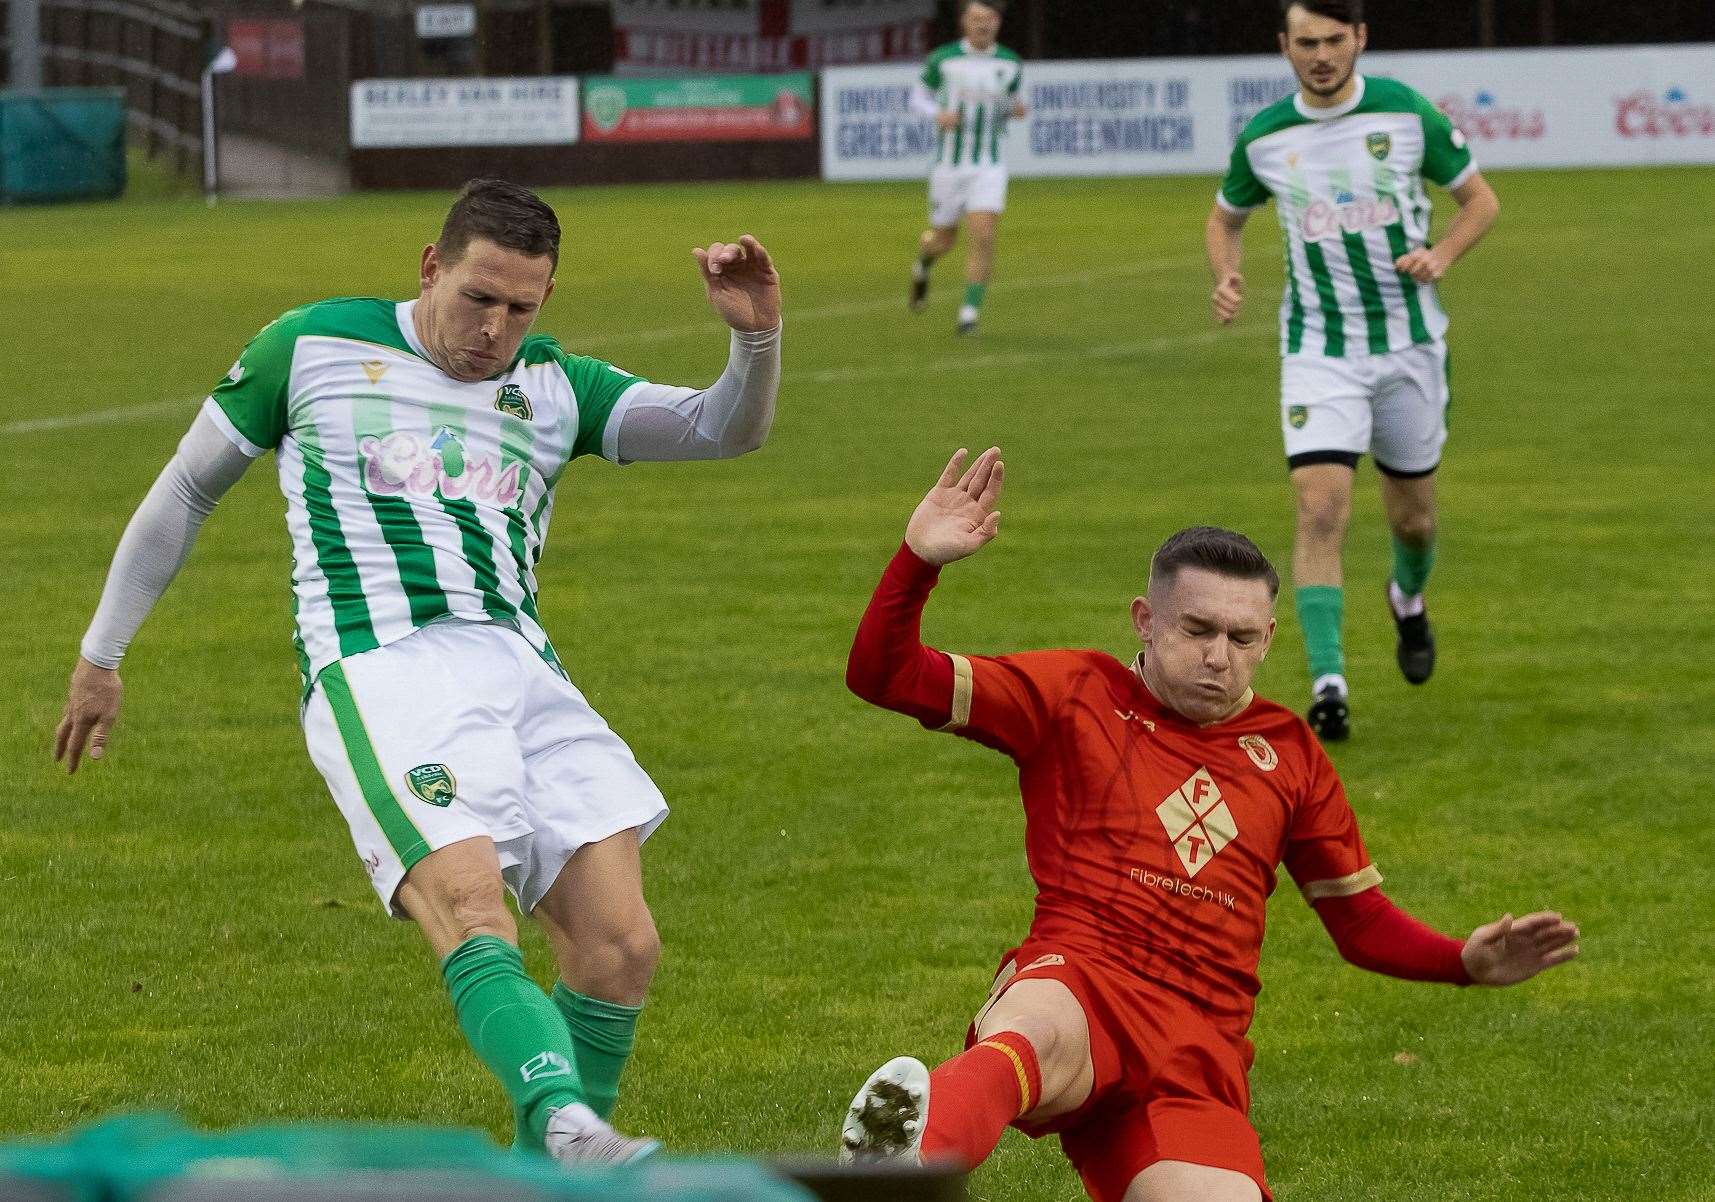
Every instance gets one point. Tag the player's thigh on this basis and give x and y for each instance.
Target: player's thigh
(1181, 1181)
(583, 786)
(413, 759)
(949, 196)
(597, 898)
(1324, 408)
(1047, 1013)
(1410, 406)
(986, 195)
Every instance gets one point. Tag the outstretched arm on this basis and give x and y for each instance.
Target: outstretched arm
(154, 547)
(1373, 933)
(732, 416)
(889, 665)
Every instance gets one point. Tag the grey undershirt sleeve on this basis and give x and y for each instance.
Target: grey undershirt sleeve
(160, 535)
(730, 417)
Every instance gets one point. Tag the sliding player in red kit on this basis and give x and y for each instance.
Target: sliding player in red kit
(1160, 797)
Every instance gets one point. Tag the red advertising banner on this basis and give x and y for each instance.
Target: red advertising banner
(639, 50)
(267, 48)
(703, 108)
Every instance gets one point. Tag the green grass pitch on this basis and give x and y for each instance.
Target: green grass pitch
(186, 926)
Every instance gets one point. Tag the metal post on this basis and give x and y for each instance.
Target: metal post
(24, 30)
(210, 142)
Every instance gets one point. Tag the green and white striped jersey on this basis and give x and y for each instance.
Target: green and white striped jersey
(1348, 185)
(410, 497)
(980, 85)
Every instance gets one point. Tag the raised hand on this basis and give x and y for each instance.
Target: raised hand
(957, 518)
(1511, 950)
(92, 705)
(742, 284)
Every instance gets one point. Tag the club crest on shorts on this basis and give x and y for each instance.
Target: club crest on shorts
(1262, 755)
(1378, 144)
(432, 784)
(511, 399)
(1297, 415)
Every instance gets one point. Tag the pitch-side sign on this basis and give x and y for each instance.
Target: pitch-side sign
(1518, 108)
(393, 113)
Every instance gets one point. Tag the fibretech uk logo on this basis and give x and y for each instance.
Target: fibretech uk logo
(511, 399)
(1378, 144)
(545, 1064)
(1198, 822)
(432, 784)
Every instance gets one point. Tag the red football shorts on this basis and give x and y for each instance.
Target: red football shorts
(1168, 1084)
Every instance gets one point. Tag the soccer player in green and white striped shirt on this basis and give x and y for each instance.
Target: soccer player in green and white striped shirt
(419, 444)
(1363, 350)
(970, 87)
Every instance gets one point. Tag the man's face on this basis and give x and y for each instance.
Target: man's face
(1323, 52)
(980, 24)
(480, 307)
(1204, 635)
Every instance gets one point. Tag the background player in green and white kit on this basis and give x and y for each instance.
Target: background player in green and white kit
(1364, 361)
(418, 445)
(970, 87)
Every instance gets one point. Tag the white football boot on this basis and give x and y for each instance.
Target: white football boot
(576, 1137)
(886, 1119)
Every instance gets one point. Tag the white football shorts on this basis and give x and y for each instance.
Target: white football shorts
(459, 730)
(955, 191)
(1392, 406)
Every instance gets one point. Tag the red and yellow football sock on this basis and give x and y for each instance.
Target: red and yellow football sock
(973, 1097)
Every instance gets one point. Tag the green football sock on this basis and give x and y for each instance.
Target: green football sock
(1320, 608)
(1411, 566)
(974, 294)
(602, 1035)
(514, 1030)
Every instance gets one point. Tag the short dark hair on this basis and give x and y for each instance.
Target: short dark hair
(505, 214)
(998, 5)
(1347, 12)
(1225, 552)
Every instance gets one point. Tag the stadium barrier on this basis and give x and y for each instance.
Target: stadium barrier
(158, 1158)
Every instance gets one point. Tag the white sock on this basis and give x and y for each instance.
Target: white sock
(968, 313)
(1332, 678)
(1403, 606)
(576, 1117)
(919, 270)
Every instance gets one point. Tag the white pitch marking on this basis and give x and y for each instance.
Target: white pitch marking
(128, 413)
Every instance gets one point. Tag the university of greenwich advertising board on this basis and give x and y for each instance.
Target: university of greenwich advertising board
(1519, 108)
(396, 113)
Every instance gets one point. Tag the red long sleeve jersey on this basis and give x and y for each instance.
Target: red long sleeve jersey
(1153, 842)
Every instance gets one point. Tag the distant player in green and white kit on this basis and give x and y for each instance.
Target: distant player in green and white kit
(970, 87)
(1364, 361)
(418, 445)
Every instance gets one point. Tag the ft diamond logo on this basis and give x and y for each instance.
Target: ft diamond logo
(1198, 822)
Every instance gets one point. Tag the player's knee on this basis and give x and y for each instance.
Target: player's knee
(1322, 515)
(1416, 528)
(624, 958)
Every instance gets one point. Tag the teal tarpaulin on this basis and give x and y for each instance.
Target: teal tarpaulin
(62, 144)
(157, 1158)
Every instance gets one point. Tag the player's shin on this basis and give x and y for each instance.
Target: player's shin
(602, 1037)
(1321, 609)
(976, 1094)
(515, 1031)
